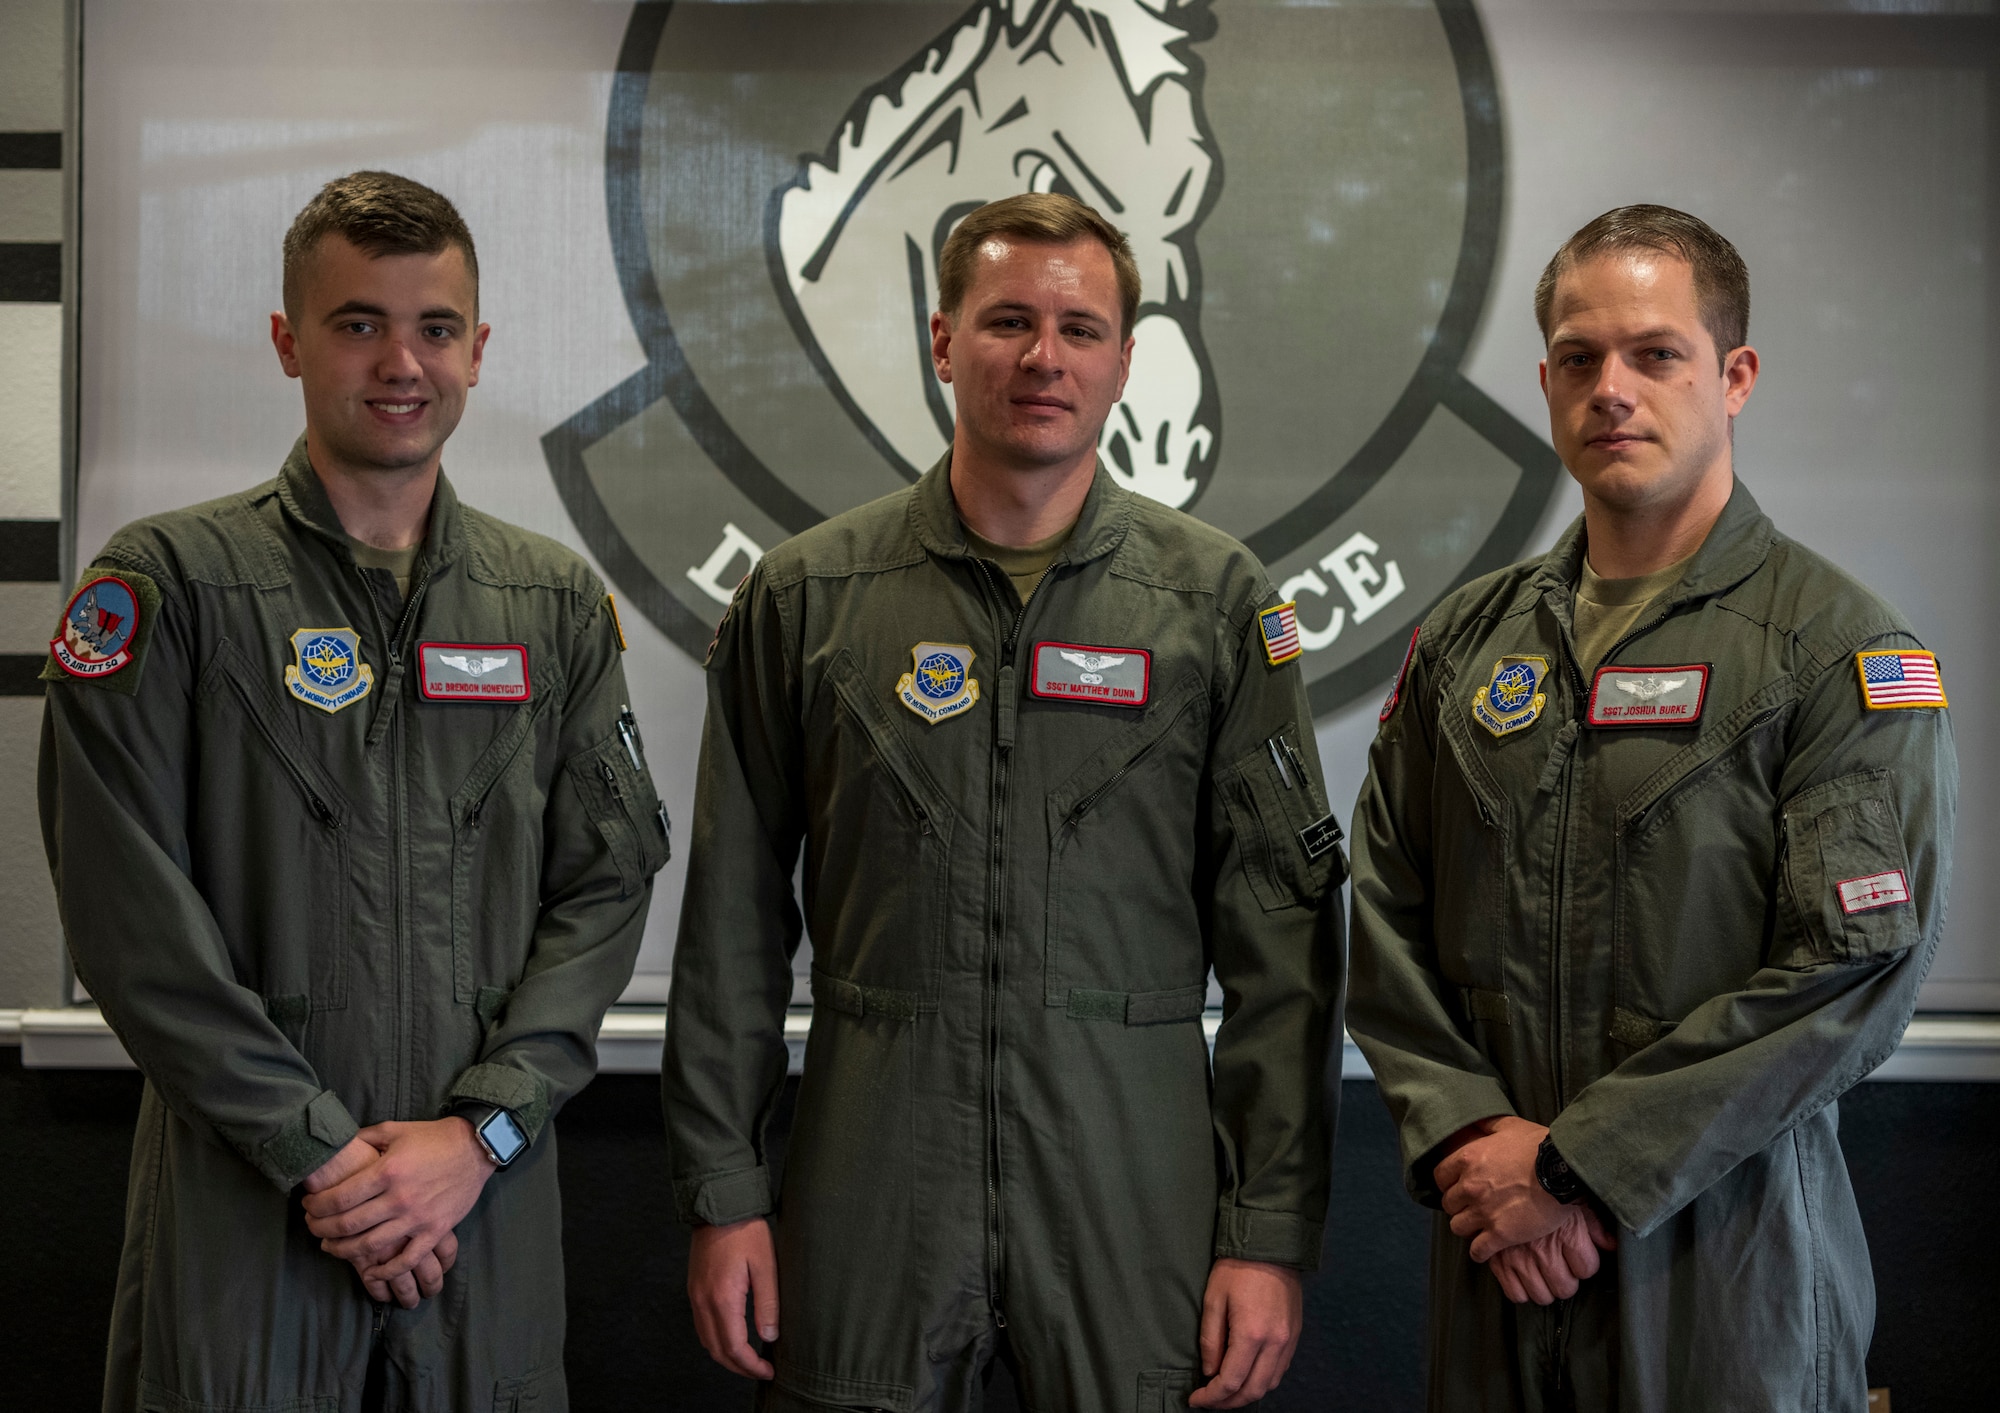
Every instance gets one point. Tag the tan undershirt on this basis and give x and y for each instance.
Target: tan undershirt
(402, 563)
(1606, 609)
(1024, 565)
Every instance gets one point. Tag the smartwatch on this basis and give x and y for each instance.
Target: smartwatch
(497, 1132)
(1557, 1177)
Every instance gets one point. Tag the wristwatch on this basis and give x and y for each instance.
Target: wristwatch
(1557, 1177)
(496, 1130)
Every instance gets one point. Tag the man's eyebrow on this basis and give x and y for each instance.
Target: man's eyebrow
(358, 306)
(376, 311)
(1011, 305)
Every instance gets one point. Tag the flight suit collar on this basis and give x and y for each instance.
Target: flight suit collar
(1736, 547)
(1100, 527)
(305, 501)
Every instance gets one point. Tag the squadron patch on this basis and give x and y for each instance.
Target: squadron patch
(940, 684)
(98, 629)
(473, 672)
(1396, 688)
(329, 673)
(1071, 672)
(1900, 678)
(1513, 698)
(1280, 626)
(1647, 696)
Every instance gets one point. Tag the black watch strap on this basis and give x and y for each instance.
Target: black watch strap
(1557, 1177)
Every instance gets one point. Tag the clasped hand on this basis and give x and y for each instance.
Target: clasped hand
(1538, 1249)
(387, 1202)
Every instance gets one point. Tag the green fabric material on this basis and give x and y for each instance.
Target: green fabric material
(1049, 884)
(331, 919)
(1606, 609)
(1654, 911)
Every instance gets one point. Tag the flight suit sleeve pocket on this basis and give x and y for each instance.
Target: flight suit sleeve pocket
(1289, 846)
(1847, 871)
(625, 807)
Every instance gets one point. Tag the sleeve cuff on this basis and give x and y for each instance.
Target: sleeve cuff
(310, 1137)
(723, 1198)
(1282, 1238)
(504, 1087)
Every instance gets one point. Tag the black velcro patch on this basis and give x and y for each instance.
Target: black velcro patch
(1319, 836)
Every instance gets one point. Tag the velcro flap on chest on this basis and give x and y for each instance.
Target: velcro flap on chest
(473, 672)
(1648, 696)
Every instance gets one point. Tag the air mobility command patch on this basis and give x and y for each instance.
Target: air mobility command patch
(1513, 699)
(940, 684)
(1900, 677)
(104, 631)
(329, 673)
(1280, 626)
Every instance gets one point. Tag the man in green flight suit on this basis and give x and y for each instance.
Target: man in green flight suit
(1649, 865)
(1045, 746)
(353, 842)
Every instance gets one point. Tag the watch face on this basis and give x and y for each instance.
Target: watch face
(503, 1136)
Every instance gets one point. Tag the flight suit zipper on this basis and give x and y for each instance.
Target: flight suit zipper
(402, 954)
(996, 926)
(1561, 772)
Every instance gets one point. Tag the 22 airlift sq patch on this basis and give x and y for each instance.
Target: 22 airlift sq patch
(1512, 700)
(105, 628)
(940, 683)
(329, 673)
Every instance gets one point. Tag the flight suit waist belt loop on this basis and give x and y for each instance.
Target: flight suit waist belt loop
(1182, 1003)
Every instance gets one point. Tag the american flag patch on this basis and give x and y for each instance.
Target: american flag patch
(1900, 678)
(1281, 632)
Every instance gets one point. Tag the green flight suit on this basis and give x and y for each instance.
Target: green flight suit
(1008, 1117)
(1635, 936)
(299, 921)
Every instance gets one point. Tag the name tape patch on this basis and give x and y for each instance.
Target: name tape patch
(1877, 890)
(1647, 696)
(1900, 677)
(473, 672)
(1075, 672)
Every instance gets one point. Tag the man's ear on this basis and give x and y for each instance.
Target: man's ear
(1739, 376)
(941, 346)
(285, 342)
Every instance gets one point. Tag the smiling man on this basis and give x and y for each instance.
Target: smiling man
(1649, 865)
(354, 842)
(1045, 746)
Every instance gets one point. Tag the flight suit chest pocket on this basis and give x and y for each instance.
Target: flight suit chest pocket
(878, 822)
(283, 897)
(618, 791)
(496, 841)
(1847, 871)
(1290, 846)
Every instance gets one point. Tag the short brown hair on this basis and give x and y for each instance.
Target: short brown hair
(381, 214)
(1048, 217)
(1721, 279)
